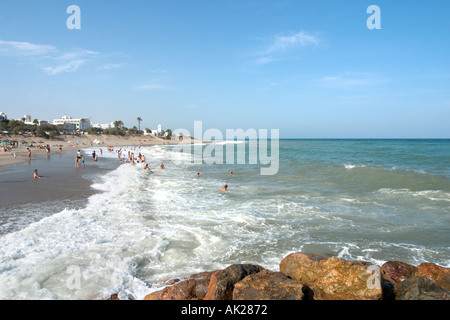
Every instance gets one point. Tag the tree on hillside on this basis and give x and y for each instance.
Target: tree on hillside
(118, 124)
(139, 119)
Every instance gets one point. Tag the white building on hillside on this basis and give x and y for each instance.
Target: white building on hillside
(81, 124)
(3, 117)
(155, 132)
(103, 125)
(28, 120)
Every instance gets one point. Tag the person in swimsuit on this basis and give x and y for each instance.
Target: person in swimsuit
(36, 174)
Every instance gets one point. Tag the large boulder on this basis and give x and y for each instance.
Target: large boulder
(438, 274)
(398, 270)
(421, 288)
(192, 289)
(269, 285)
(334, 278)
(223, 281)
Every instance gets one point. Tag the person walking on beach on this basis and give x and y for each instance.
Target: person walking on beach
(93, 156)
(29, 153)
(77, 158)
(36, 174)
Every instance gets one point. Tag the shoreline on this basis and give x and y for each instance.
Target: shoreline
(68, 143)
(63, 186)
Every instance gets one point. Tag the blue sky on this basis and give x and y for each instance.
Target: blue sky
(311, 69)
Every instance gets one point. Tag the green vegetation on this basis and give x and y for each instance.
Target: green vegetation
(19, 127)
(50, 130)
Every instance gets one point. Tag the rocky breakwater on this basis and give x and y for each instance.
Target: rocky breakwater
(314, 277)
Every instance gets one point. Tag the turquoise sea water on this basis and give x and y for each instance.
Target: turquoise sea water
(372, 200)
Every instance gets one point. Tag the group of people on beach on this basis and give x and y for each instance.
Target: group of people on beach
(80, 159)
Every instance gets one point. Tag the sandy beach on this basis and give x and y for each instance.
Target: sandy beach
(68, 143)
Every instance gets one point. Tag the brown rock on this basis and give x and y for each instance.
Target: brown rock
(222, 282)
(114, 296)
(398, 270)
(421, 288)
(269, 285)
(438, 274)
(334, 278)
(154, 295)
(191, 289)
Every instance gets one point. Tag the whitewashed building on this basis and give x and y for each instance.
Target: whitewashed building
(29, 120)
(81, 124)
(103, 125)
(155, 132)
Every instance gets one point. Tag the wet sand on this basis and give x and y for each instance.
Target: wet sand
(60, 179)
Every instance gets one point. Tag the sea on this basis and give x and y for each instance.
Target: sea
(357, 199)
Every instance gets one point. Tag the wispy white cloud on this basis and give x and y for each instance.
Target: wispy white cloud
(68, 61)
(282, 46)
(69, 66)
(25, 48)
(281, 43)
(50, 59)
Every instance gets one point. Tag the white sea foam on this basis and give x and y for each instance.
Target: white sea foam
(229, 142)
(352, 166)
(433, 195)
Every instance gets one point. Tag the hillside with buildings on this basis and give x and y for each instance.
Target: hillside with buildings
(69, 125)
